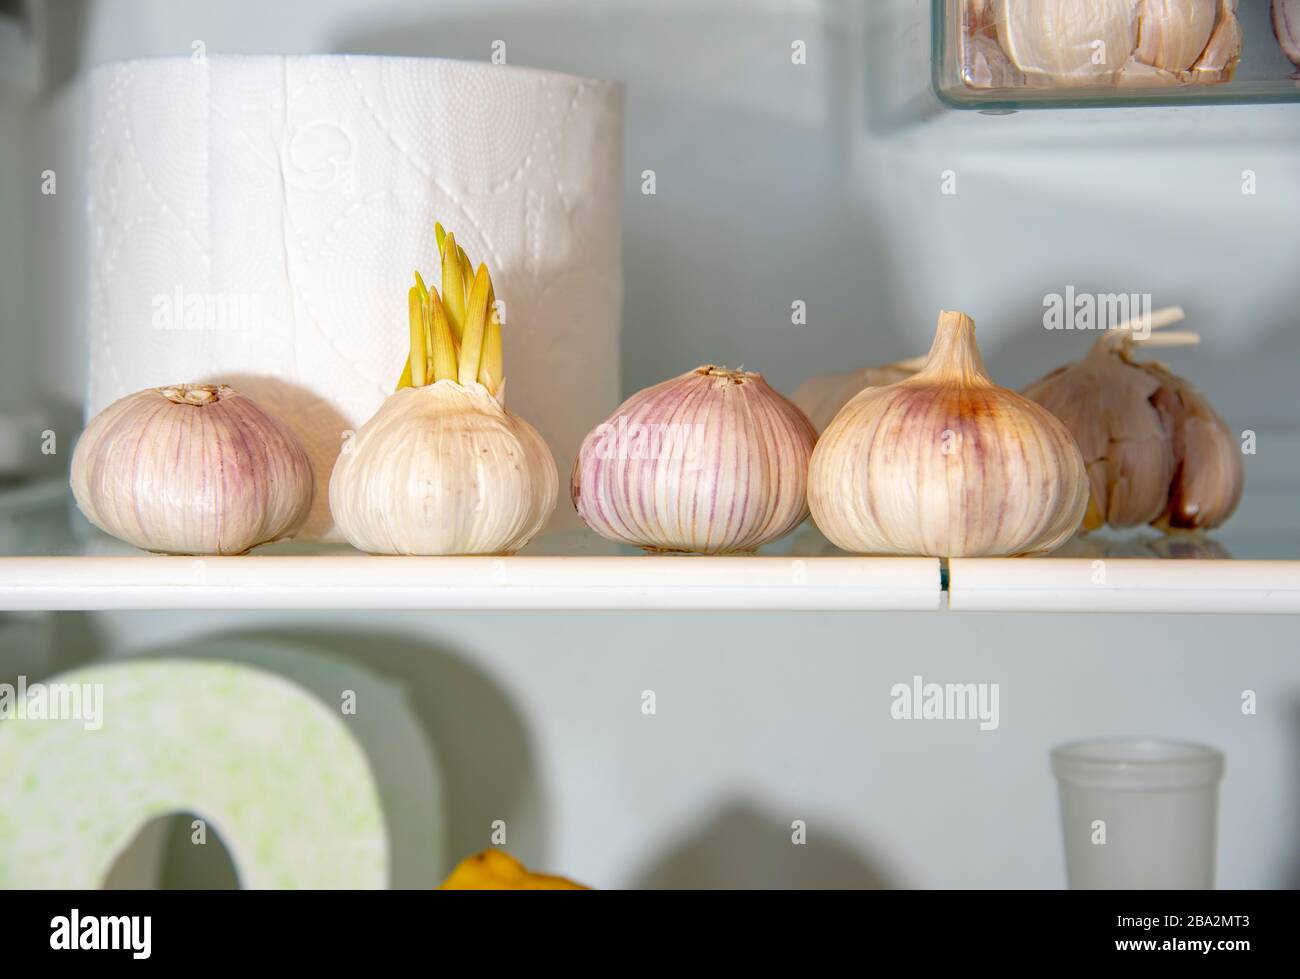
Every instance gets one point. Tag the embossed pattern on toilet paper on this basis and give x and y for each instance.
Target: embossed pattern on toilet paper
(257, 220)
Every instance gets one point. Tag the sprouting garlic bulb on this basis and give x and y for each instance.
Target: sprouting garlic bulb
(443, 467)
(947, 464)
(1155, 449)
(822, 397)
(713, 462)
(191, 469)
(1066, 42)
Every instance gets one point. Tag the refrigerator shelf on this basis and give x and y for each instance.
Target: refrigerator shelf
(51, 559)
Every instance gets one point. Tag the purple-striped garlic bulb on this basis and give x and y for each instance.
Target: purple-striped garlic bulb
(947, 464)
(191, 469)
(711, 462)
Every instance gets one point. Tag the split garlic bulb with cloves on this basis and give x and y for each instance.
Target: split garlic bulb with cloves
(1155, 450)
(443, 467)
(191, 469)
(947, 464)
(713, 462)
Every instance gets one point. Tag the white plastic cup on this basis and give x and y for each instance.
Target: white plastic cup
(1139, 813)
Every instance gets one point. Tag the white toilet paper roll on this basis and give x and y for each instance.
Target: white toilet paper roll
(257, 220)
(277, 775)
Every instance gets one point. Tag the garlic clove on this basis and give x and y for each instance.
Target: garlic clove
(947, 464)
(1173, 33)
(443, 469)
(984, 63)
(822, 397)
(1286, 28)
(1209, 478)
(978, 18)
(1066, 42)
(713, 461)
(191, 469)
(1138, 75)
(1222, 52)
(987, 65)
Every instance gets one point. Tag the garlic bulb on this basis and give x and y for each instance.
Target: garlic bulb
(1155, 450)
(713, 461)
(191, 469)
(1105, 402)
(1071, 42)
(822, 397)
(1173, 33)
(947, 464)
(443, 467)
(1286, 28)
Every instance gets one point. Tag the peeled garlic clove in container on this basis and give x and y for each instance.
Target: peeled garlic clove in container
(1208, 475)
(822, 397)
(1173, 33)
(977, 18)
(713, 462)
(1106, 403)
(443, 467)
(1066, 42)
(1286, 28)
(1222, 52)
(1138, 75)
(191, 469)
(987, 65)
(984, 63)
(947, 464)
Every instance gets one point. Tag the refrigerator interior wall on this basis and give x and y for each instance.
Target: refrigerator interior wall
(825, 182)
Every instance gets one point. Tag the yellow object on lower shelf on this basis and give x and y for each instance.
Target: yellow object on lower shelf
(496, 870)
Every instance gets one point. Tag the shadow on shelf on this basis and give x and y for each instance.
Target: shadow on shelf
(743, 847)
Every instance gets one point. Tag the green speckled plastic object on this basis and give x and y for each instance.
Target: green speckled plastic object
(274, 772)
